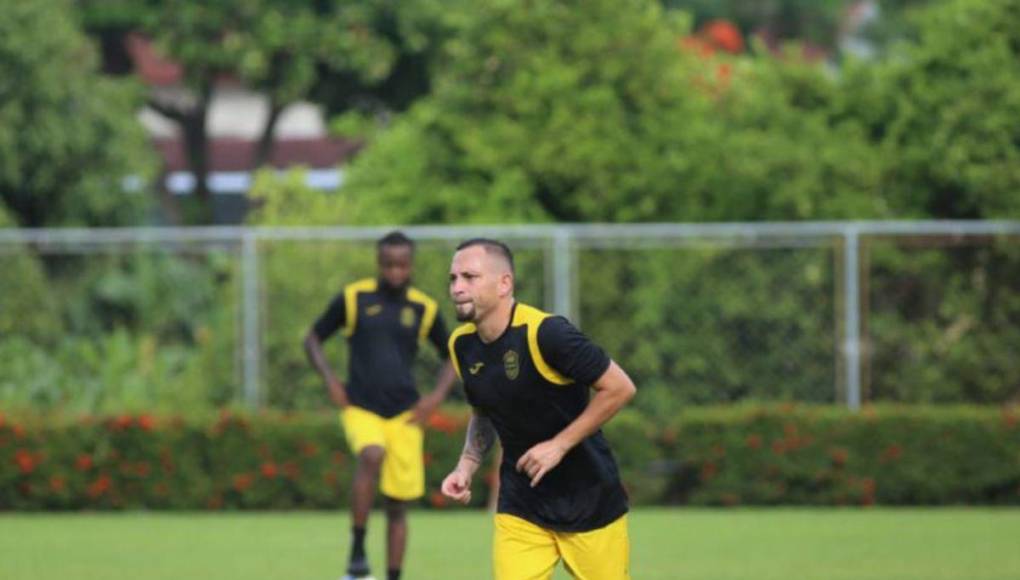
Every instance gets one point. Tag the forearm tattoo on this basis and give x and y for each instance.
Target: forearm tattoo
(480, 437)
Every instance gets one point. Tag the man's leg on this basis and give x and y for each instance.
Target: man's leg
(602, 554)
(366, 479)
(403, 480)
(522, 551)
(396, 537)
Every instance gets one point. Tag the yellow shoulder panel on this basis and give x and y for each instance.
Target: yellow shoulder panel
(460, 331)
(431, 308)
(531, 317)
(351, 292)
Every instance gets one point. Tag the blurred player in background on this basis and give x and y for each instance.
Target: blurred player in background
(384, 319)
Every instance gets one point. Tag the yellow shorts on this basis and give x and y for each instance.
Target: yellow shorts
(522, 550)
(403, 468)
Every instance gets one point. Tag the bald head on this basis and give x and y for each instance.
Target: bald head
(494, 249)
(481, 278)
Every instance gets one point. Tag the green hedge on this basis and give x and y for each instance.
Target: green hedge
(707, 456)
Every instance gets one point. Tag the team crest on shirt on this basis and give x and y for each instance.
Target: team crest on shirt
(407, 316)
(512, 364)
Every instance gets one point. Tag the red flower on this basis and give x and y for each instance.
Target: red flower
(724, 71)
(309, 449)
(1009, 417)
(724, 36)
(142, 469)
(437, 499)
(25, 460)
(146, 422)
(719, 450)
(839, 456)
(891, 453)
(338, 457)
(58, 484)
(243, 481)
(779, 447)
(708, 471)
(100, 486)
(443, 423)
(83, 463)
(754, 441)
(166, 460)
(269, 470)
(693, 44)
(291, 470)
(19, 431)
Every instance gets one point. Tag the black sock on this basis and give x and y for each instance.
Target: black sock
(358, 549)
(393, 574)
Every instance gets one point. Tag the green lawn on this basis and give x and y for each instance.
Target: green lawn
(784, 544)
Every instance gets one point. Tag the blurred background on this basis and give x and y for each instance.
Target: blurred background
(795, 223)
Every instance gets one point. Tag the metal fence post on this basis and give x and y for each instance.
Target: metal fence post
(563, 270)
(250, 314)
(852, 322)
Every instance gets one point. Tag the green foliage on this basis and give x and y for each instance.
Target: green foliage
(943, 112)
(27, 303)
(823, 456)
(274, 45)
(704, 326)
(145, 330)
(68, 136)
(546, 114)
(709, 456)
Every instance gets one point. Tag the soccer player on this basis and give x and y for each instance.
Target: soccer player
(527, 375)
(384, 319)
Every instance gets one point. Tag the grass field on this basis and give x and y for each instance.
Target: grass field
(779, 544)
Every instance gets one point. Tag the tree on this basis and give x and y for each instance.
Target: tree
(342, 53)
(68, 136)
(944, 112)
(559, 113)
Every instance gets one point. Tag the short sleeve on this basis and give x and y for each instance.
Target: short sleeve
(572, 354)
(439, 337)
(332, 319)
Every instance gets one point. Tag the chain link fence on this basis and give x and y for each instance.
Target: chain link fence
(697, 313)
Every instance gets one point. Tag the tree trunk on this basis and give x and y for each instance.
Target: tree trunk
(264, 150)
(196, 142)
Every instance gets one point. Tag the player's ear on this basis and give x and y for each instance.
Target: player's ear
(506, 284)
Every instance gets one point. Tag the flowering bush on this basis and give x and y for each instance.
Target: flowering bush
(705, 456)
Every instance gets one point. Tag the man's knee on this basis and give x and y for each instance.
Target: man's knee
(396, 510)
(372, 456)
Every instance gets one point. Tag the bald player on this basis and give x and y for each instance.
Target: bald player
(545, 390)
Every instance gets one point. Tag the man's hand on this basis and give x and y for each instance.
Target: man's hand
(338, 393)
(423, 410)
(541, 459)
(457, 486)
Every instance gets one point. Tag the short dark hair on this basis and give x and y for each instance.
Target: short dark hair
(395, 238)
(493, 247)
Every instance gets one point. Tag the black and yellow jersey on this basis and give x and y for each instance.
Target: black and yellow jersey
(383, 327)
(532, 382)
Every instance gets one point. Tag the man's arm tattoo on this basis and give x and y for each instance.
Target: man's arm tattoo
(480, 437)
